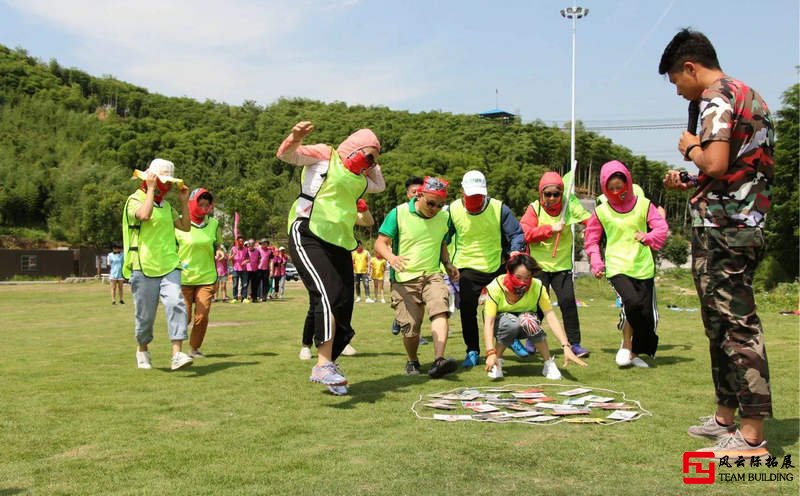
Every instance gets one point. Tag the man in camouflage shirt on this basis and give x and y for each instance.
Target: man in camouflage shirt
(733, 152)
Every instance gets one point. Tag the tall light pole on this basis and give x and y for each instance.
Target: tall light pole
(573, 13)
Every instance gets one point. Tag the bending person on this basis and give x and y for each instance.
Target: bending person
(321, 234)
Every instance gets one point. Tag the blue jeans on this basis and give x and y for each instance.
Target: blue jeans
(147, 291)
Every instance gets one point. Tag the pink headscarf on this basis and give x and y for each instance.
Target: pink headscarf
(550, 179)
(610, 168)
(356, 141)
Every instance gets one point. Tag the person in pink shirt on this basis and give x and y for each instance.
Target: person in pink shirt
(221, 286)
(239, 257)
(633, 227)
(279, 273)
(263, 273)
(252, 270)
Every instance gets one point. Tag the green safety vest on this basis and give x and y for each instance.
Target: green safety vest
(477, 244)
(623, 254)
(333, 212)
(149, 246)
(196, 250)
(420, 242)
(542, 251)
(528, 303)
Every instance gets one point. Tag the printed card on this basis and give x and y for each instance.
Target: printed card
(622, 415)
(575, 392)
(541, 418)
(451, 418)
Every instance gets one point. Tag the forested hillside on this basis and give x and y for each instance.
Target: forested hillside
(69, 141)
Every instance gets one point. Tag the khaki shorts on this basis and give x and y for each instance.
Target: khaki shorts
(410, 298)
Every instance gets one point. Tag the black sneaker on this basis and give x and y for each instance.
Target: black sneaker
(441, 367)
(113, 302)
(412, 367)
(121, 302)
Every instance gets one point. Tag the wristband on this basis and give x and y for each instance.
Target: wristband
(689, 151)
(491, 352)
(565, 346)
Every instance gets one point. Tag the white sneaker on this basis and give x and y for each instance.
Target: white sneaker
(497, 370)
(143, 360)
(551, 371)
(383, 300)
(358, 299)
(348, 351)
(638, 362)
(370, 300)
(623, 358)
(305, 353)
(180, 360)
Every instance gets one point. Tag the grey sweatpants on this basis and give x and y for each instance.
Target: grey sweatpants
(146, 293)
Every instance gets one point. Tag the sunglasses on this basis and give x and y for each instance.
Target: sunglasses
(434, 184)
(551, 195)
(433, 204)
(370, 159)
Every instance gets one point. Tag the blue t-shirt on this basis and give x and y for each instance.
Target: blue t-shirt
(115, 262)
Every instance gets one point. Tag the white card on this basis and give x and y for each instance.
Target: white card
(593, 398)
(528, 395)
(575, 392)
(541, 418)
(622, 415)
(450, 418)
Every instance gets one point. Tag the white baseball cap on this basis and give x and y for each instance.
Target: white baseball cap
(474, 183)
(161, 167)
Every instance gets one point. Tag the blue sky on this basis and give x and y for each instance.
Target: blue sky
(418, 55)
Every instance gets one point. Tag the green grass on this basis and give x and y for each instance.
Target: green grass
(77, 417)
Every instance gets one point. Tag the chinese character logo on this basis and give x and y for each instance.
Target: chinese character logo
(702, 475)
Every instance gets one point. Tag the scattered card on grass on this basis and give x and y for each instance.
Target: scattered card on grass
(529, 413)
(541, 418)
(534, 401)
(610, 406)
(575, 392)
(571, 411)
(585, 420)
(484, 408)
(464, 396)
(528, 395)
(532, 390)
(450, 418)
(592, 398)
(441, 405)
(622, 415)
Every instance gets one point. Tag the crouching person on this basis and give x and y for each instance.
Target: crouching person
(510, 313)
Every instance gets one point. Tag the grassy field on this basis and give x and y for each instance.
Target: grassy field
(77, 417)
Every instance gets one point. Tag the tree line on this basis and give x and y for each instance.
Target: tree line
(69, 142)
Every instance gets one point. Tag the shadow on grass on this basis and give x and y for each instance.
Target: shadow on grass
(374, 390)
(12, 490)
(229, 355)
(526, 370)
(660, 360)
(780, 433)
(201, 369)
(373, 354)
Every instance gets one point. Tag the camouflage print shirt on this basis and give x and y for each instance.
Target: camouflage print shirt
(733, 112)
